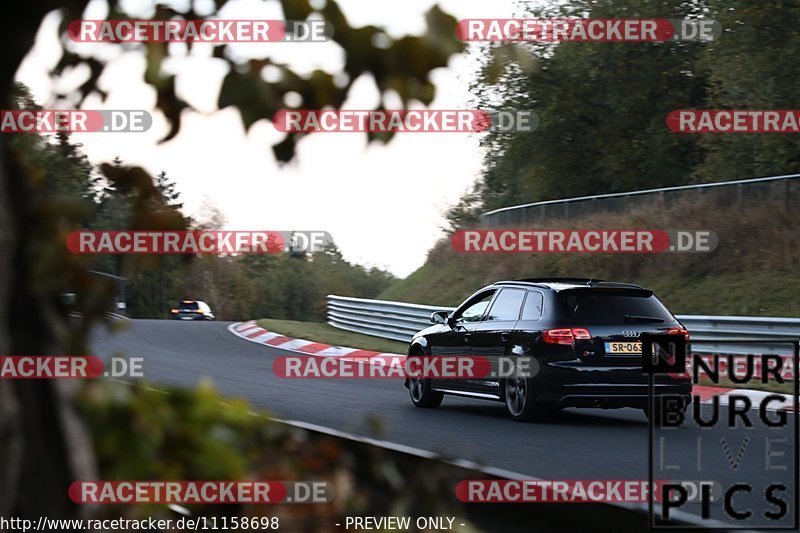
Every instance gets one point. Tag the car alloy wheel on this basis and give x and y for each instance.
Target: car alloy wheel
(521, 401)
(421, 393)
(417, 389)
(516, 395)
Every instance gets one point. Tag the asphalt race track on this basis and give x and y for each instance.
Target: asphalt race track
(578, 444)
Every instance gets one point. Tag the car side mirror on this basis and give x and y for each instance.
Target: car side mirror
(439, 317)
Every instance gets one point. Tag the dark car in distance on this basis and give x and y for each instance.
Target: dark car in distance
(584, 336)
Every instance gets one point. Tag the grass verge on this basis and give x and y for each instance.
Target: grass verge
(321, 332)
(748, 274)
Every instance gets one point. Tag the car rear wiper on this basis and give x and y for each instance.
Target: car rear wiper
(640, 318)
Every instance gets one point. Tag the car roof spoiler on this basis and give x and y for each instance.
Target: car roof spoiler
(589, 282)
(556, 279)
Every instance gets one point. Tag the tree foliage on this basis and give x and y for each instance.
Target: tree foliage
(43, 442)
(115, 197)
(400, 65)
(602, 106)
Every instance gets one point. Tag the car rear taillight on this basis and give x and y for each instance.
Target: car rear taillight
(679, 331)
(174, 310)
(686, 374)
(565, 336)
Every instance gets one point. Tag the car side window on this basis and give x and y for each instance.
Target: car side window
(474, 312)
(532, 310)
(507, 305)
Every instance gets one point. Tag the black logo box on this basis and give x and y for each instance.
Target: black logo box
(664, 354)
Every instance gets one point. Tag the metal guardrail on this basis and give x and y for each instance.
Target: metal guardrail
(390, 320)
(400, 321)
(780, 189)
(705, 329)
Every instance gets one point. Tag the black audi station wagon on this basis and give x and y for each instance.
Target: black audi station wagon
(583, 336)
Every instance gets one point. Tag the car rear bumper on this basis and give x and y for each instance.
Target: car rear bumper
(190, 316)
(612, 398)
(568, 385)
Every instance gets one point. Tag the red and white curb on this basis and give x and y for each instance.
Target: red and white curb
(254, 333)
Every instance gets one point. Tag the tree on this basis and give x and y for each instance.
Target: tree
(602, 106)
(602, 109)
(753, 66)
(44, 446)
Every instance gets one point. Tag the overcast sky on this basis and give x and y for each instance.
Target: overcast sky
(383, 205)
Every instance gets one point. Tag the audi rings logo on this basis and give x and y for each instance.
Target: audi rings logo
(631, 333)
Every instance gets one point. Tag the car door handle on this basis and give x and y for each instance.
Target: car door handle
(467, 336)
(504, 337)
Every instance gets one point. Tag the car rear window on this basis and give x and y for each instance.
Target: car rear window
(532, 310)
(188, 306)
(602, 306)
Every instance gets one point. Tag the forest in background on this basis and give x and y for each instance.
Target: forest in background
(602, 107)
(287, 285)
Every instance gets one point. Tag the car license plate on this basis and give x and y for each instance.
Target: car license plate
(624, 347)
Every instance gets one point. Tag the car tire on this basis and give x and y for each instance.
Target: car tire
(421, 393)
(520, 402)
